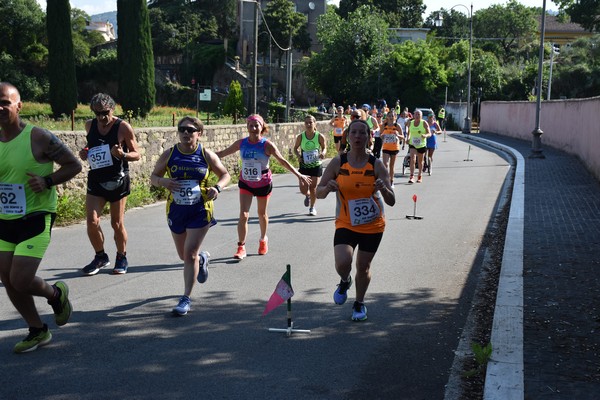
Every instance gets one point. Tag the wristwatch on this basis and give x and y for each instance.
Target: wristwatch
(218, 188)
(49, 182)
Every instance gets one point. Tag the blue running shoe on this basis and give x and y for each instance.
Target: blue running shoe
(306, 201)
(340, 295)
(203, 271)
(359, 311)
(183, 306)
(121, 265)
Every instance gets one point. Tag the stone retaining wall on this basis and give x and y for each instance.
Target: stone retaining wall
(153, 142)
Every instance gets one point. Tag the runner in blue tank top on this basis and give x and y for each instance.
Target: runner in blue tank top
(190, 211)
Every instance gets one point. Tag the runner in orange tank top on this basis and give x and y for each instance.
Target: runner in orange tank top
(362, 185)
(339, 122)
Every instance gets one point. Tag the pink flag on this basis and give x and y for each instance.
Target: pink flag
(282, 292)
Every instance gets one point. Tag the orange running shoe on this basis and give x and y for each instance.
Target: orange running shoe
(419, 179)
(263, 246)
(240, 253)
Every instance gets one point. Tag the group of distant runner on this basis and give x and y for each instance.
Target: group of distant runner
(391, 129)
(361, 181)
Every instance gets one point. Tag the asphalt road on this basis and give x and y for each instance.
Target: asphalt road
(122, 341)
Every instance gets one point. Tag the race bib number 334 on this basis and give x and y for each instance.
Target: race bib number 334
(363, 211)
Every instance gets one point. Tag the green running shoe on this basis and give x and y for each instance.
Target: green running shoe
(37, 337)
(61, 306)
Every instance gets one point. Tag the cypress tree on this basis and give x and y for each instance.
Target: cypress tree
(61, 61)
(135, 58)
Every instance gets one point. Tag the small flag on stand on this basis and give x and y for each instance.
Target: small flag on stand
(282, 292)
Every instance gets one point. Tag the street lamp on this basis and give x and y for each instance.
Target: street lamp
(438, 22)
(536, 144)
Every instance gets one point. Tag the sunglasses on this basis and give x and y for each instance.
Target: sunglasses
(103, 113)
(187, 129)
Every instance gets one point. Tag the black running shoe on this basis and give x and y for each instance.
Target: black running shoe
(97, 263)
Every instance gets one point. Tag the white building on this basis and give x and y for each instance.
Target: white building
(106, 29)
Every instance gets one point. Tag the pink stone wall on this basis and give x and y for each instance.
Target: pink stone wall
(569, 125)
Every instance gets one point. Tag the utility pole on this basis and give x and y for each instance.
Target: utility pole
(255, 60)
(288, 88)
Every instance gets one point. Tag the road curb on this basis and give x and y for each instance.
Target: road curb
(505, 370)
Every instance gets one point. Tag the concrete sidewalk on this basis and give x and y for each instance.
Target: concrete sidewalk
(559, 315)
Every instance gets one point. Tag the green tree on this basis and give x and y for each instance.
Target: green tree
(348, 6)
(416, 73)
(23, 55)
(576, 71)
(397, 13)
(234, 104)
(102, 68)
(584, 12)
(135, 58)
(194, 37)
(343, 70)
(511, 27)
(23, 24)
(402, 13)
(219, 15)
(455, 25)
(284, 23)
(83, 39)
(61, 63)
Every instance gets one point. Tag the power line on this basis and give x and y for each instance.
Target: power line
(269, 31)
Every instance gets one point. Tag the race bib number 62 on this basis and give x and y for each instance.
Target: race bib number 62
(12, 199)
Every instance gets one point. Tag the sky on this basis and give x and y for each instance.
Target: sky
(99, 6)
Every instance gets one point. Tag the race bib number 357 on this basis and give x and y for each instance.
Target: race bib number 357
(99, 157)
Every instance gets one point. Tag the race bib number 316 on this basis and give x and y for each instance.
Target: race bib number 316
(251, 170)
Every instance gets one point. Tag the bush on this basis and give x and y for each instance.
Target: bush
(102, 68)
(30, 87)
(276, 112)
(234, 104)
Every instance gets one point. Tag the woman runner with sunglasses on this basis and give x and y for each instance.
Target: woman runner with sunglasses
(190, 209)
